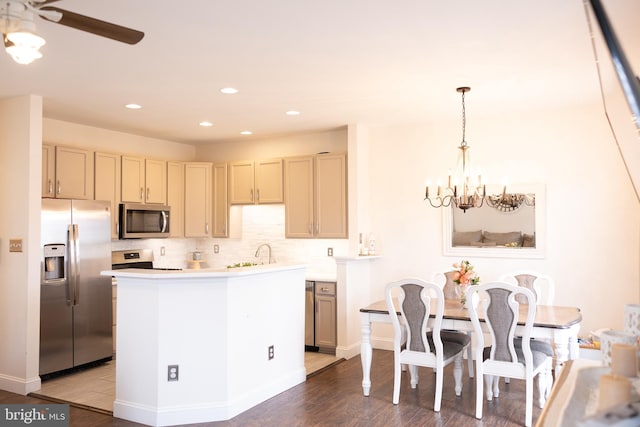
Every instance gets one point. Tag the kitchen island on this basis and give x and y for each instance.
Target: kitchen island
(204, 345)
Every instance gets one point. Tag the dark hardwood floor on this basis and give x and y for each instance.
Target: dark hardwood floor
(334, 398)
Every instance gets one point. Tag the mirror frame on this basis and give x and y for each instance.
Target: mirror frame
(493, 252)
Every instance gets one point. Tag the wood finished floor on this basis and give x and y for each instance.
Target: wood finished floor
(334, 397)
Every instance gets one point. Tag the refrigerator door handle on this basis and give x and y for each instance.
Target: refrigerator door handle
(74, 276)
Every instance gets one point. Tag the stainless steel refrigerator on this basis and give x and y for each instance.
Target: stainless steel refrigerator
(75, 300)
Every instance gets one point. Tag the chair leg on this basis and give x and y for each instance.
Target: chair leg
(488, 383)
(397, 372)
(457, 374)
(496, 386)
(413, 372)
(438, 398)
(542, 388)
(479, 396)
(529, 402)
(549, 377)
(470, 357)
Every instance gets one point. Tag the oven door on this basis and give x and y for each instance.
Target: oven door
(144, 221)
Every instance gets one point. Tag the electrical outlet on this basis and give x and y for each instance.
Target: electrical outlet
(329, 251)
(15, 245)
(162, 251)
(271, 352)
(172, 373)
(216, 249)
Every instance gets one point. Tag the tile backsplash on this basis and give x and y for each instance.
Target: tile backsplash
(254, 225)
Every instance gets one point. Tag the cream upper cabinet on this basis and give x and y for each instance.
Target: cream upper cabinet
(144, 180)
(155, 181)
(220, 201)
(74, 173)
(298, 193)
(256, 182)
(316, 196)
(175, 197)
(48, 170)
(331, 196)
(107, 184)
(197, 199)
(132, 179)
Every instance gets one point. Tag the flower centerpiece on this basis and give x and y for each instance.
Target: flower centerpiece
(464, 275)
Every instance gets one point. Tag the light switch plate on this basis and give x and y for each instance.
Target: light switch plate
(15, 245)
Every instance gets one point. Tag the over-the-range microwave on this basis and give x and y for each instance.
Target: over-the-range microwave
(144, 221)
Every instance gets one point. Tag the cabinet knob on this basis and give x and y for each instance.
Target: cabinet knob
(206, 228)
(59, 188)
(257, 194)
(148, 193)
(50, 186)
(141, 192)
(251, 194)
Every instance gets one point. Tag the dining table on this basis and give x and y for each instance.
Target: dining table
(557, 324)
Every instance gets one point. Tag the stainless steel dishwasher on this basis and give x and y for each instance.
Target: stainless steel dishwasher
(310, 317)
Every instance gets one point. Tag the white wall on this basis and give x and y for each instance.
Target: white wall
(20, 158)
(592, 217)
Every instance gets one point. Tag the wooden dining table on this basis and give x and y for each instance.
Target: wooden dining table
(558, 324)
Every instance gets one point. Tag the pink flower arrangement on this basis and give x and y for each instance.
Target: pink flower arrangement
(464, 275)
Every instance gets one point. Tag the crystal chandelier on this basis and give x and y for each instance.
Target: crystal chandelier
(465, 188)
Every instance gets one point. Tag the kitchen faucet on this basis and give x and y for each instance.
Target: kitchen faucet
(271, 260)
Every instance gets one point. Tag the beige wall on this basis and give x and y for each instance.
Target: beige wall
(20, 154)
(593, 217)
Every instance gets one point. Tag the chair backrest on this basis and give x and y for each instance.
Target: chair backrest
(414, 304)
(542, 285)
(500, 310)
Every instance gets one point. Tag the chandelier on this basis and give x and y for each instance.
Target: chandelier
(465, 188)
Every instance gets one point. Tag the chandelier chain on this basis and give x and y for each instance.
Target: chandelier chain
(464, 122)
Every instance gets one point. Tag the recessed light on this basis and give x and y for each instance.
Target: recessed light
(133, 106)
(229, 90)
(292, 113)
(246, 132)
(206, 124)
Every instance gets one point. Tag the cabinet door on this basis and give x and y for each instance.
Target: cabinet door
(268, 181)
(241, 182)
(220, 204)
(132, 179)
(197, 199)
(331, 196)
(175, 197)
(326, 331)
(107, 184)
(155, 181)
(298, 197)
(74, 173)
(48, 170)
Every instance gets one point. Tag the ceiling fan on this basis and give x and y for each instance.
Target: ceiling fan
(22, 41)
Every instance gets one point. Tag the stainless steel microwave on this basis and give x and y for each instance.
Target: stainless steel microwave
(144, 221)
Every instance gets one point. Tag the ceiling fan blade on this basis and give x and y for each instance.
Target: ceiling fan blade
(96, 26)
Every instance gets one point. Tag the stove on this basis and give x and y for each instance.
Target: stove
(135, 258)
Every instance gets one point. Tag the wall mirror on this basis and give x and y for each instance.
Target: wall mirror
(499, 231)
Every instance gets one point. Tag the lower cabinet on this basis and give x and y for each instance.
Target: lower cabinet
(325, 317)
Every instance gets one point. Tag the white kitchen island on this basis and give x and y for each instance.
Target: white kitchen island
(217, 326)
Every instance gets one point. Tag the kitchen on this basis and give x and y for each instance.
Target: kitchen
(251, 227)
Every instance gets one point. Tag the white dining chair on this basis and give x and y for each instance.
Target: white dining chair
(542, 285)
(424, 346)
(507, 356)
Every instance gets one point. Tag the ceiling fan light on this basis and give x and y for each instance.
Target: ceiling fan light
(23, 55)
(26, 39)
(23, 45)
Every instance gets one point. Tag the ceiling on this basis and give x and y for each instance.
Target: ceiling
(337, 62)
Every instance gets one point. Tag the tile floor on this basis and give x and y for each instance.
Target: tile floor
(96, 387)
